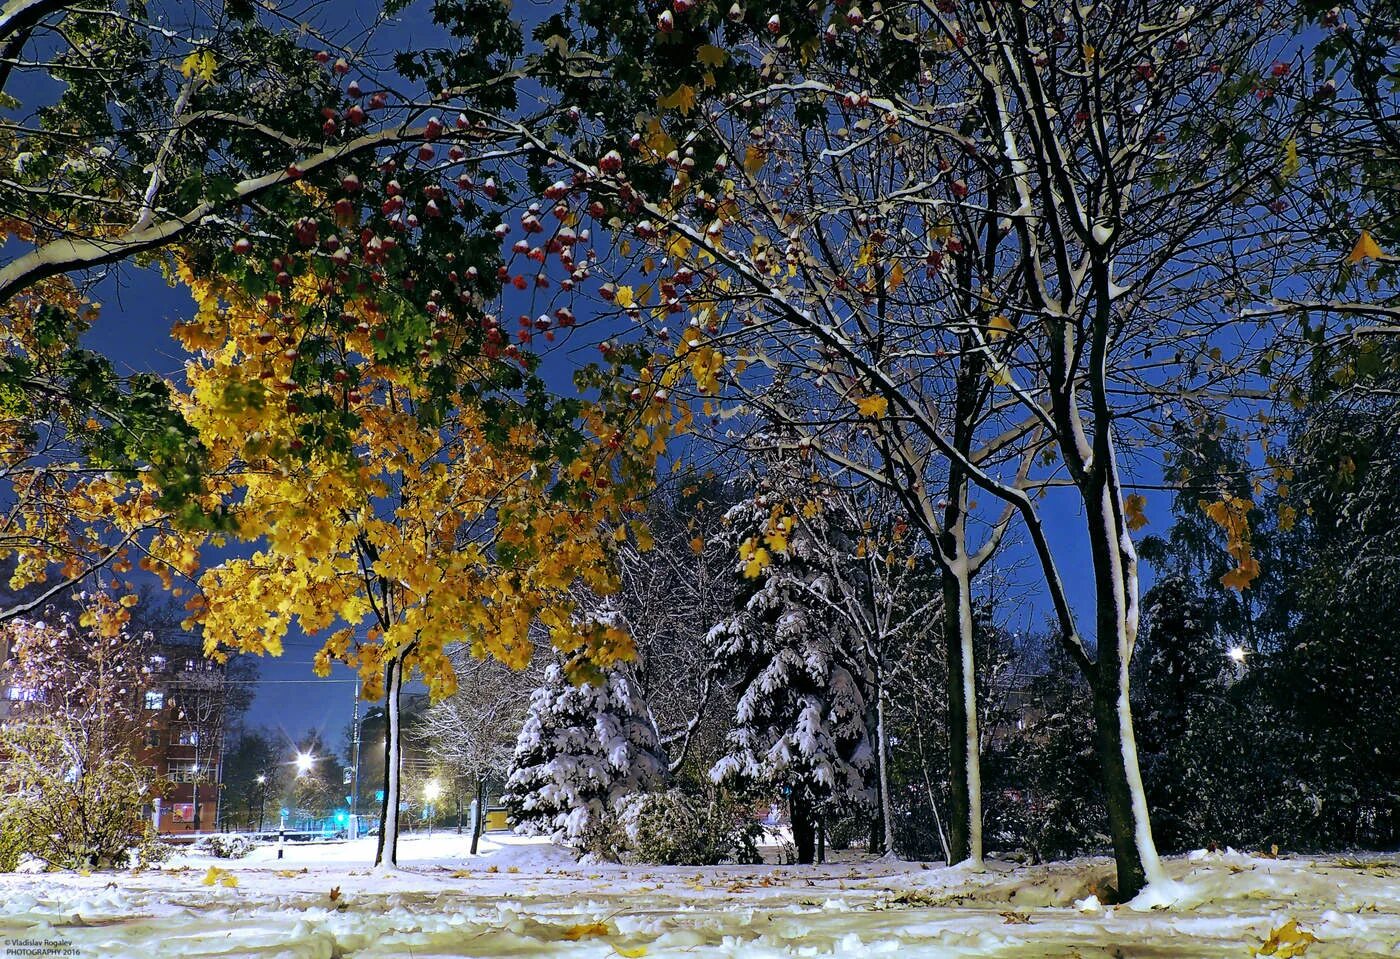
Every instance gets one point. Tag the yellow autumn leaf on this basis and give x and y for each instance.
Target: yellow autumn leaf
(584, 930)
(758, 560)
(625, 297)
(1290, 166)
(220, 876)
(697, 545)
(1366, 248)
(896, 278)
(1133, 506)
(682, 99)
(630, 952)
(200, 64)
(1287, 518)
(711, 56)
(998, 326)
(874, 406)
(754, 158)
(1286, 942)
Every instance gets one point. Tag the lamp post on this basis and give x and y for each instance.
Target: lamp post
(282, 833)
(262, 799)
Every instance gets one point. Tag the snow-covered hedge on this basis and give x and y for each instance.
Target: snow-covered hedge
(675, 829)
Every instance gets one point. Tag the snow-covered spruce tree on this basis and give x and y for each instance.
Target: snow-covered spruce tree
(582, 750)
(799, 726)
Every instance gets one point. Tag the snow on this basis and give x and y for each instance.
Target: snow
(523, 897)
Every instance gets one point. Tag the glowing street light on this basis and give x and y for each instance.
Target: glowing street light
(304, 762)
(262, 780)
(1238, 654)
(431, 791)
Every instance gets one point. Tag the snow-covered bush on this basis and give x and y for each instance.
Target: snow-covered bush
(674, 829)
(800, 723)
(62, 809)
(71, 788)
(228, 847)
(583, 749)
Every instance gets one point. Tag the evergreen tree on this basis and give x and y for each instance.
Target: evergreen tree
(799, 726)
(582, 750)
(1182, 678)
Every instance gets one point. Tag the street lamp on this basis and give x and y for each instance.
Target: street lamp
(304, 762)
(262, 799)
(431, 791)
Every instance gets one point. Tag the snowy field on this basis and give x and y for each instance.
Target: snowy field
(524, 898)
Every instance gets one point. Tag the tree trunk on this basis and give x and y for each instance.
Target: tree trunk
(804, 828)
(964, 760)
(882, 745)
(387, 854)
(479, 820)
(1116, 586)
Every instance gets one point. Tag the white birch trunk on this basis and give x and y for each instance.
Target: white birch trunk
(387, 856)
(882, 747)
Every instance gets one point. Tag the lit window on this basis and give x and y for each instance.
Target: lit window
(184, 772)
(187, 737)
(155, 699)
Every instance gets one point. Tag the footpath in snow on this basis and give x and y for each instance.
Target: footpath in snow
(525, 898)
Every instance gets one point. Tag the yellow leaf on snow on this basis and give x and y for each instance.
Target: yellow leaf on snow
(630, 952)
(1285, 942)
(875, 406)
(220, 876)
(1366, 248)
(585, 930)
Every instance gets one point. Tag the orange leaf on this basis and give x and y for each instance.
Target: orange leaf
(1366, 248)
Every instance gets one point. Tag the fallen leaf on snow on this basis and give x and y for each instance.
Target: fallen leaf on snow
(221, 876)
(585, 930)
(1285, 942)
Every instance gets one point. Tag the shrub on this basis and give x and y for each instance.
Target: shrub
(228, 847)
(63, 804)
(674, 829)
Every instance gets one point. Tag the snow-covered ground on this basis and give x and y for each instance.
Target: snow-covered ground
(525, 898)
